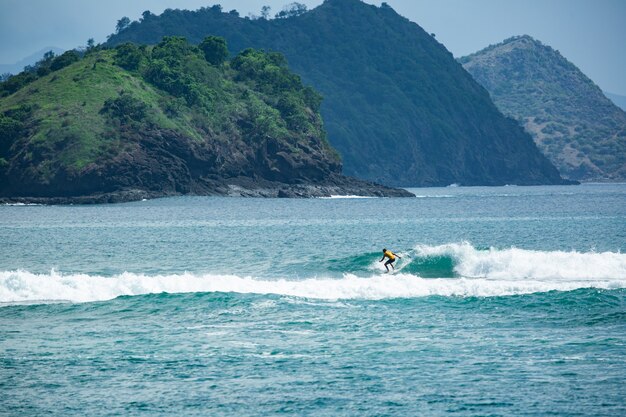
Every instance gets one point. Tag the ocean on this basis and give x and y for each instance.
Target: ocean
(506, 301)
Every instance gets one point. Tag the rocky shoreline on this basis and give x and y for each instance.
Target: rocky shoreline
(335, 185)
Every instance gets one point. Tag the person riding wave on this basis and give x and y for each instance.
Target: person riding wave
(392, 258)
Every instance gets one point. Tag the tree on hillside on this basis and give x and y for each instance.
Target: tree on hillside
(265, 12)
(215, 49)
(9, 131)
(174, 49)
(128, 56)
(125, 108)
(268, 70)
(15, 82)
(291, 10)
(42, 67)
(146, 15)
(65, 59)
(165, 69)
(47, 57)
(122, 24)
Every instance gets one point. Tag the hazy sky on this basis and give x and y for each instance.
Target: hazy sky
(590, 33)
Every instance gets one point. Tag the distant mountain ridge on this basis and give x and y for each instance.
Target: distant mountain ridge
(571, 120)
(397, 106)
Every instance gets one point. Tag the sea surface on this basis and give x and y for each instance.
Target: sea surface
(507, 301)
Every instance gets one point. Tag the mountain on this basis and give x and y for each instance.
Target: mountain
(573, 123)
(397, 106)
(136, 122)
(29, 60)
(619, 101)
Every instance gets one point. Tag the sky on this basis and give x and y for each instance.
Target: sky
(589, 33)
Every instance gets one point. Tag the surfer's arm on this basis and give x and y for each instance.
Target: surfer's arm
(382, 259)
(398, 255)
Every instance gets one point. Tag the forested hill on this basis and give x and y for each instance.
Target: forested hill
(135, 122)
(571, 120)
(397, 106)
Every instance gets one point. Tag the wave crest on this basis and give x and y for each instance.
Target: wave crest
(26, 287)
(457, 269)
(514, 263)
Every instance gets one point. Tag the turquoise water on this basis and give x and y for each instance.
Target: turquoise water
(507, 301)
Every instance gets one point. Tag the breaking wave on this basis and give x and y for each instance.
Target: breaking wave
(463, 271)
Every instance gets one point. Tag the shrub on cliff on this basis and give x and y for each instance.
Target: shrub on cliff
(125, 108)
(215, 49)
(129, 56)
(65, 59)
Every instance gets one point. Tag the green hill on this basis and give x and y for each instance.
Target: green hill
(136, 122)
(397, 106)
(573, 123)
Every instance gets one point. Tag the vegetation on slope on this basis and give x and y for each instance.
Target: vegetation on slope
(573, 123)
(173, 117)
(397, 106)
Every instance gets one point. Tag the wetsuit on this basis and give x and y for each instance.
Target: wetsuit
(389, 254)
(392, 258)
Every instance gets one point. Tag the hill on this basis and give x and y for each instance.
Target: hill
(397, 106)
(136, 122)
(573, 123)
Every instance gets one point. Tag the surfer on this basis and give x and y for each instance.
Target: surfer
(392, 258)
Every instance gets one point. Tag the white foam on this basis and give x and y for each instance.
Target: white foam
(21, 204)
(515, 264)
(484, 273)
(334, 197)
(26, 287)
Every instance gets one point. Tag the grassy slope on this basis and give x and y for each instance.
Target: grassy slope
(67, 106)
(67, 130)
